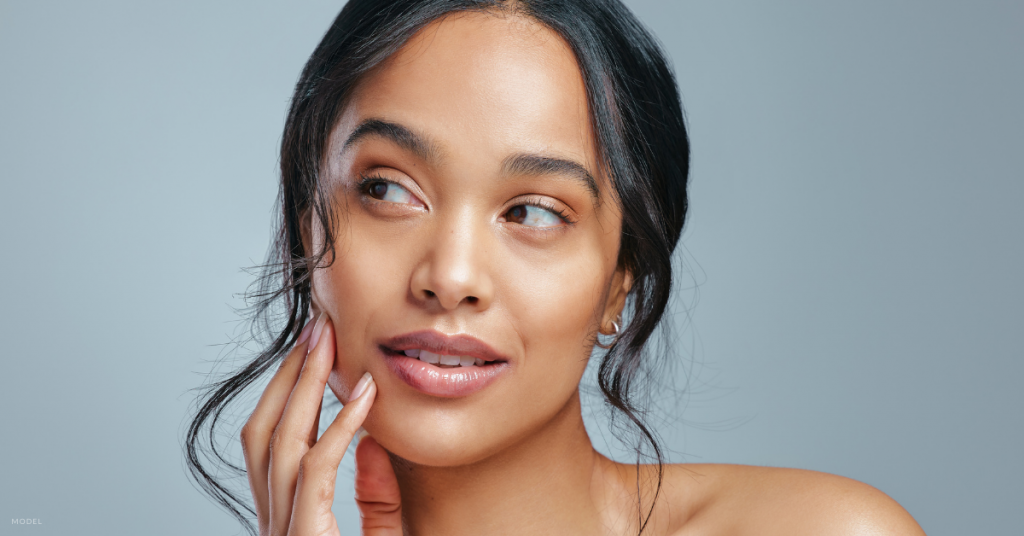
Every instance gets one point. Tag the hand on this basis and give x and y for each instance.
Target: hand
(291, 473)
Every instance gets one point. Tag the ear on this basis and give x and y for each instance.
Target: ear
(306, 235)
(622, 281)
(306, 231)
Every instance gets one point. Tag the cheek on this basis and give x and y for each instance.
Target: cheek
(556, 300)
(364, 287)
(554, 311)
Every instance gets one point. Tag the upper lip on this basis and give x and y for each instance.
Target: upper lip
(439, 343)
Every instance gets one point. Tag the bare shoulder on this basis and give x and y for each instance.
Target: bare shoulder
(711, 499)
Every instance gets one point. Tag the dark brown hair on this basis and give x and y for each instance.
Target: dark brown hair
(641, 134)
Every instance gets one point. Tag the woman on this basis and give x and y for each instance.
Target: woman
(472, 193)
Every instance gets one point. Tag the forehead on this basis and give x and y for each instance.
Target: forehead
(485, 84)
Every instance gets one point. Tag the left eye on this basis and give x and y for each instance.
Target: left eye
(532, 216)
(389, 191)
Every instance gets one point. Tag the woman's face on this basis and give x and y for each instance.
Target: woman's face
(474, 221)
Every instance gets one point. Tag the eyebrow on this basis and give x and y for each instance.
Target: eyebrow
(533, 164)
(397, 134)
(515, 165)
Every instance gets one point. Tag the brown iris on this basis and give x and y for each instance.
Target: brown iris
(516, 214)
(378, 190)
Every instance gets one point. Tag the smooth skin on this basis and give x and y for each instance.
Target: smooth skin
(439, 228)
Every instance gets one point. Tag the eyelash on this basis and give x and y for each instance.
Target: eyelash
(541, 203)
(366, 181)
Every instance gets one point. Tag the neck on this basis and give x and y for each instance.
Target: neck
(554, 482)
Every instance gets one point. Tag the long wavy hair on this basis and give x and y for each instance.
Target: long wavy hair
(641, 136)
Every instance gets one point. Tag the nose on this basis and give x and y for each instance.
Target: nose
(454, 271)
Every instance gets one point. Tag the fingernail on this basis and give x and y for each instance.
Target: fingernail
(362, 433)
(360, 387)
(317, 330)
(305, 333)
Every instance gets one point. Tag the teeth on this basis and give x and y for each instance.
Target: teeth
(445, 360)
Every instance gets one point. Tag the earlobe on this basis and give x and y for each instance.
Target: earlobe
(314, 304)
(622, 282)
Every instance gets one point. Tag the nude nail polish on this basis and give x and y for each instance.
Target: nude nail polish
(360, 387)
(306, 331)
(317, 330)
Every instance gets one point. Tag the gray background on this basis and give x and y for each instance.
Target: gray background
(851, 266)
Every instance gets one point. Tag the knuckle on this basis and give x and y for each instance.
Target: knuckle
(277, 442)
(319, 488)
(314, 479)
(309, 465)
(247, 432)
(375, 509)
(324, 492)
(285, 447)
(248, 436)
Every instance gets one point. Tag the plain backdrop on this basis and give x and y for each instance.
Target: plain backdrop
(850, 273)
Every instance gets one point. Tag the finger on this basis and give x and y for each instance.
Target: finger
(377, 494)
(259, 428)
(289, 441)
(318, 471)
(315, 430)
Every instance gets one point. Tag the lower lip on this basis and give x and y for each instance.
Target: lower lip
(444, 382)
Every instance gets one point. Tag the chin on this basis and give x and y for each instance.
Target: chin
(432, 431)
(429, 449)
(445, 434)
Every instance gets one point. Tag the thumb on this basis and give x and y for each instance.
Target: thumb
(377, 494)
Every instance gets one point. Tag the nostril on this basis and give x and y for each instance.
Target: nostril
(429, 293)
(472, 300)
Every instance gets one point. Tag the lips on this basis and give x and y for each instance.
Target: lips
(441, 365)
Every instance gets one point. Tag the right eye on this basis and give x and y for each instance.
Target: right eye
(382, 190)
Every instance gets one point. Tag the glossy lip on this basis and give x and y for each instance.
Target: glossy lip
(443, 382)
